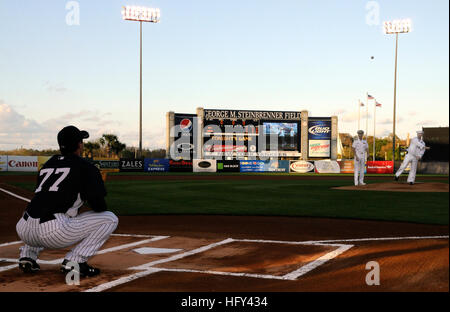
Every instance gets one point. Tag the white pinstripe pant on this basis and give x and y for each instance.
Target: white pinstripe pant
(91, 229)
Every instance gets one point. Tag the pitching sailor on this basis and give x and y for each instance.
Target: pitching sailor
(416, 150)
(51, 220)
(360, 150)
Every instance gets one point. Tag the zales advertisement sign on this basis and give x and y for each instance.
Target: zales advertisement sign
(131, 165)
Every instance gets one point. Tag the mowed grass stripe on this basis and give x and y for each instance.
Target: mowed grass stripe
(312, 198)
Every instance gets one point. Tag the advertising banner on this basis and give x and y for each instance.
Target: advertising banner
(347, 166)
(276, 166)
(319, 137)
(319, 148)
(180, 165)
(184, 141)
(110, 165)
(156, 165)
(319, 129)
(301, 166)
(228, 165)
(380, 167)
(131, 165)
(23, 163)
(204, 165)
(252, 166)
(42, 160)
(327, 166)
(3, 163)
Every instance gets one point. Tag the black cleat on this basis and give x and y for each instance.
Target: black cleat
(85, 269)
(411, 183)
(395, 178)
(28, 265)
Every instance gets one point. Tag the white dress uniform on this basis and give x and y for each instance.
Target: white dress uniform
(360, 147)
(416, 150)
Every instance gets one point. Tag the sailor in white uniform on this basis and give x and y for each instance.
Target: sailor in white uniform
(360, 149)
(416, 150)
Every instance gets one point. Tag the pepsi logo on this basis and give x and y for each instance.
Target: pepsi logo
(186, 125)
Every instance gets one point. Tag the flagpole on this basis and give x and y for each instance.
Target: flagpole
(367, 117)
(374, 127)
(359, 115)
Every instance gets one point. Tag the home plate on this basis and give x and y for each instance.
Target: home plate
(150, 250)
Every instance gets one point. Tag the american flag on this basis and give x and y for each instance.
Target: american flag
(370, 97)
(378, 104)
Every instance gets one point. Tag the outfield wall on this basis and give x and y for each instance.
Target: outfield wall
(151, 165)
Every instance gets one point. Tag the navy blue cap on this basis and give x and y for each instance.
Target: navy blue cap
(69, 137)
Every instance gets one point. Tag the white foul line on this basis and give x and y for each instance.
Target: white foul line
(368, 239)
(382, 239)
(15, 195)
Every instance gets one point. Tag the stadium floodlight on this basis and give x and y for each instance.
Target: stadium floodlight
(140, 14)
(396, 27)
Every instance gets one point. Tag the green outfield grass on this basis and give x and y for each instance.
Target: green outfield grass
(312, 198)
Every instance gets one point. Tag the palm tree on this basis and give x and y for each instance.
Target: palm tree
(118, 147)
(111, 144)
(89, 148)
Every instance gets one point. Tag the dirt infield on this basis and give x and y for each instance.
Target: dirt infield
(398, 187)
(241, 253)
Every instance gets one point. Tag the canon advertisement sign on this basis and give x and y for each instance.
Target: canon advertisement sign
(22, 163)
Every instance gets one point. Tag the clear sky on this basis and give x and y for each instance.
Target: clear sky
(310, 55)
